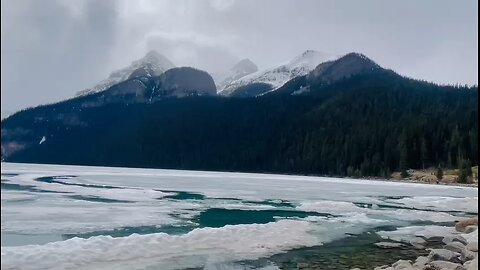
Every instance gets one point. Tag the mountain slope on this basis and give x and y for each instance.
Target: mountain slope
(152, 64)
(361, 122)
(277, 76)
(349, 65)
(241, 69)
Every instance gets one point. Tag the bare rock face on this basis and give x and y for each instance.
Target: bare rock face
(463, 224)
(186, 81)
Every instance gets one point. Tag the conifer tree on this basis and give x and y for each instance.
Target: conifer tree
(439, 173)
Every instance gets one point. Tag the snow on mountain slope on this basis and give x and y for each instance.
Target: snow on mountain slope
(277, 76)
(152, 64)
(243, 68)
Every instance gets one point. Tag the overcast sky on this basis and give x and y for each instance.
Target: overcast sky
(51, 49)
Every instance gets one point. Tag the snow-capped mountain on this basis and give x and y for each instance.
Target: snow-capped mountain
(152, 64)
(243, 68)
(277, 76)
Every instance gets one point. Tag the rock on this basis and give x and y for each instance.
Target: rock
(470, 229)
(462, 224)
(186, 81)
(435, 239)
(454, 238)
(473, 264)
(455, 247)
(471, 237)
(418, 243)
(388, 244)
(468, 255)
(446, 265)
(383, 267)
(466, 264)
(444, 255)
(421, 261)
(402, 264)
(473, 246)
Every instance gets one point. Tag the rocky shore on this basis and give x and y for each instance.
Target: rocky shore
(455, 251)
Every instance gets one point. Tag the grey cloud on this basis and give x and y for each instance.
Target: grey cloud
(53, 48)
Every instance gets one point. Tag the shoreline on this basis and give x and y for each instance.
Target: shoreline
(369, 178)
(455, 249)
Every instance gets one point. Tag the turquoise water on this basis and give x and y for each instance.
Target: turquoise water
(158, 219)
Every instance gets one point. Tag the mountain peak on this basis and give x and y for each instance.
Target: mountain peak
(354, 56)
(152, 54)
(275, 77)
(310, 59)
(153, 57)
(244, 66)
(345, 66)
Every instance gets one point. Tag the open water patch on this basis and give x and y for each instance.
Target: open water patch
(343, 254)
(126, 231)
(219, 217)
(54, 180)
(18, 187)
(182, 195)
(91, 198)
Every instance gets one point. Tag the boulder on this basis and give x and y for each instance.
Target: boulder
(383, 267)
(454, 238)
(388, 244)
(471, 237)
(435, 239)
(421, 261)
(402, 264)
(470, 229)
(455, 247)
(468, 255)
(462, 224)
(446, 265)
(473, 265)
(473, 246)
(418, 243)
(444, 255)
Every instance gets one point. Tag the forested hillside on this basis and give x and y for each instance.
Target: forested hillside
(367, 124)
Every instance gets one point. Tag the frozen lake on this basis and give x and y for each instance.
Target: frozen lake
(78, 217)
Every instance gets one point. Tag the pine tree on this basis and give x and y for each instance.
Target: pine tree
(462, 171)
(403, 161)
(468, 168)
(439, 173)
(423, 153)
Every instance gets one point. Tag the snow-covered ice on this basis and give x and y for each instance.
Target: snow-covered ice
(126, 218)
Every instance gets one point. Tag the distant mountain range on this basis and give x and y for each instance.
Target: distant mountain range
(244, 73)
(275, 77)
(152, 64)
(317, 114)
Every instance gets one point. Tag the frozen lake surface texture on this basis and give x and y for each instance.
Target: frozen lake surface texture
(75, 217)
